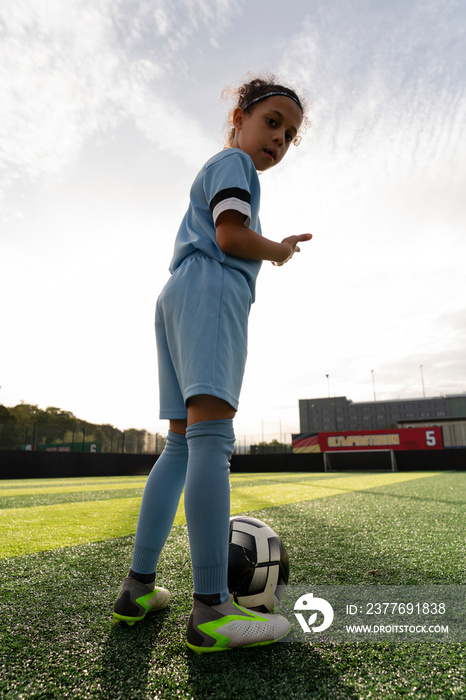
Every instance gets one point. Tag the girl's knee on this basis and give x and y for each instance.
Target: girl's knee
(205, 407)
(178, 426)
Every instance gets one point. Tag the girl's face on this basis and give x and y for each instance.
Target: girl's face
(266, 132)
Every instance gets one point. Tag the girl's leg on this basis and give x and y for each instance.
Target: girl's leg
(139, 594)
(216, 623)
(210, 439)
(159, 504)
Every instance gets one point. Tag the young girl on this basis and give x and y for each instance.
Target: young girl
(201, 331)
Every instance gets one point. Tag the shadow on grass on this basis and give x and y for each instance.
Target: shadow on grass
(127, 656)
(282, 671)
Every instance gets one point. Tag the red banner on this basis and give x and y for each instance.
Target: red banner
(357, 440)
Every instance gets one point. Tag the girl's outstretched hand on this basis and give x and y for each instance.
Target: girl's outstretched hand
(292, 242)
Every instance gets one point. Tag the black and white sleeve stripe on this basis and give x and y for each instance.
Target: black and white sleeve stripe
(232, 198)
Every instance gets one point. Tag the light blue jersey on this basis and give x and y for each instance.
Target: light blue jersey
(202, 312)
(227, 181)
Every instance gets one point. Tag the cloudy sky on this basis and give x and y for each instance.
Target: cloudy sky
(110, 107)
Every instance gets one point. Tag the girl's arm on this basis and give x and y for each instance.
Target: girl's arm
(235, 239)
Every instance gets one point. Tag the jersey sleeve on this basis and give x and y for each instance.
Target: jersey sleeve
(227, 185)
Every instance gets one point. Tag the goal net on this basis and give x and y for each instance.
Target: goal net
(356, 460)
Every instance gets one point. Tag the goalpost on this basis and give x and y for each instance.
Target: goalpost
(387, 458)
(367, 449)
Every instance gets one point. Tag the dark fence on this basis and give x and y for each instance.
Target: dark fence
(16, 464)
(56, 436)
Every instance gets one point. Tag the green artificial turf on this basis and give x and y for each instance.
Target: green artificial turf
(45, 516)
(57, 638)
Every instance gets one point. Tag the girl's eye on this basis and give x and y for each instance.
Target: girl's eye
(289, 137)
(272, 122)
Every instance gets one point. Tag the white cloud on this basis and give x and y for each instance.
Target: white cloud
(57, 84)
(379, 180)
(386, 152)
(387, 86)
(71, 70)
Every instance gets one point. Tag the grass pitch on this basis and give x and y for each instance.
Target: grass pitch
(66, 545)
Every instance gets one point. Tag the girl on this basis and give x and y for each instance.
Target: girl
(201, 332)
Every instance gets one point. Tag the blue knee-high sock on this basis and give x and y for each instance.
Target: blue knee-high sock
(207, 503)
(159, 504)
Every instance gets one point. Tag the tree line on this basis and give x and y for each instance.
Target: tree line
(26, 426)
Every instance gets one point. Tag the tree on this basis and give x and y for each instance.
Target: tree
(273, 447)
(55, 423)
(9, 430)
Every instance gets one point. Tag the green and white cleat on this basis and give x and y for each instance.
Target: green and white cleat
(229, 626)
(136, 599)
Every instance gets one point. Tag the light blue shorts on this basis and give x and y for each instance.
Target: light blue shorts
(201, 328)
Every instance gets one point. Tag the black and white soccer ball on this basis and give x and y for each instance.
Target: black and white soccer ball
(258, 566)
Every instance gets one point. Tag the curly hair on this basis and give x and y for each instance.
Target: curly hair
(250, 91)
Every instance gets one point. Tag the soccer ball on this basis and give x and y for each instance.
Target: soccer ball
(257, 564)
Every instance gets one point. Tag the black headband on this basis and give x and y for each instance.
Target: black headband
(271, 94)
